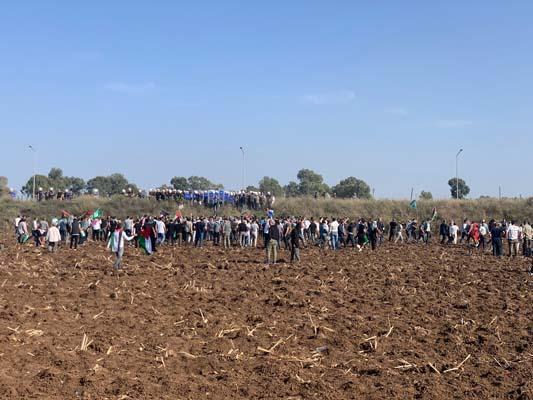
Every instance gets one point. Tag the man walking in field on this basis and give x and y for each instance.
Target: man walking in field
(53, 237)
(226, 233)
(274, 237)
(296, 238)
(497, 246)
(454, 231)
(527, 234)
(513, 232)
(116, 244)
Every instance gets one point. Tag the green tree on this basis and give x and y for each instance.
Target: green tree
(268, 184)
(55, 175)
(352, 187)
(251, 188)
(311, 183)
(201, 183)
(463, 188)
(56, 179)
(76, 185)
(425, 195)
(112, 184)
(41, 181)
(179, 183)
(292, 189)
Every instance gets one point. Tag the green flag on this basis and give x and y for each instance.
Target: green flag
(412, 204)
(96, 214)
(434, 215)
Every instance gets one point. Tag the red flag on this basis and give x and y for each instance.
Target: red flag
(178, 214)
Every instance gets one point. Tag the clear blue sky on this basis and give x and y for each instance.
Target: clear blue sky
(385, 91)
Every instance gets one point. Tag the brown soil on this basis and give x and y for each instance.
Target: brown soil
(204, 323)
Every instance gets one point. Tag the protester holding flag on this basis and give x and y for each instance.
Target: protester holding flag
(116, 244)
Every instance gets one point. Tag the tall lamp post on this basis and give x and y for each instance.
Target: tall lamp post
(457, 173)
(34, 167)
(243, 167)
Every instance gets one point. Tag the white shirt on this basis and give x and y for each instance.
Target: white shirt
(482, 230)
(512, 232)
(453, 230)
(114, 244)
(159, 226)
(53, 235)
(254, 228)
(334, 227)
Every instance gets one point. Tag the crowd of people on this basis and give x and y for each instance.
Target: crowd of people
(290, 233)
(213, 199)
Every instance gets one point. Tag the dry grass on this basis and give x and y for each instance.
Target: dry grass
(119, 206)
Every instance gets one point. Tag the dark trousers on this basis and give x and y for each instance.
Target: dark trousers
(295, 254)
(350, 240)
(199, 239)
(74, 239)
(482, 243)
(526, 247)
(96, 235)
(497, 247)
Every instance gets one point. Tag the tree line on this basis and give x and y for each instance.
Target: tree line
(307, 183)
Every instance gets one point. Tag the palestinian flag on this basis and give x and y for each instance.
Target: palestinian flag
(142, 244)
(413, 205)
(178, 214)
(434, 215)
(97, 214)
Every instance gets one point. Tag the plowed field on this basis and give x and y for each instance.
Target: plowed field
(408, 321)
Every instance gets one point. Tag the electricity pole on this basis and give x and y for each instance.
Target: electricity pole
(243, 168)
(457, 174)
(34, 168)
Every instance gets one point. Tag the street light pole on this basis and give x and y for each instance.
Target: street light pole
(457, 173)
(243, 167)
(34, 167)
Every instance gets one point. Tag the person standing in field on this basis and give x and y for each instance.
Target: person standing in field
(116, 244)
(373, 233)
(313, 228)
(22, 230)
(444, 232)
(254, 232)
(75, 231)
(200, 228)
(296, 238)
(53, 237)
(160, 229)
(497, 246)
(96, 225)
(454, 231)
(274, 237)
(226, 233)
(527, 232)
(398, 234)
(393, 225)
(483, 232)
(513, 232)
